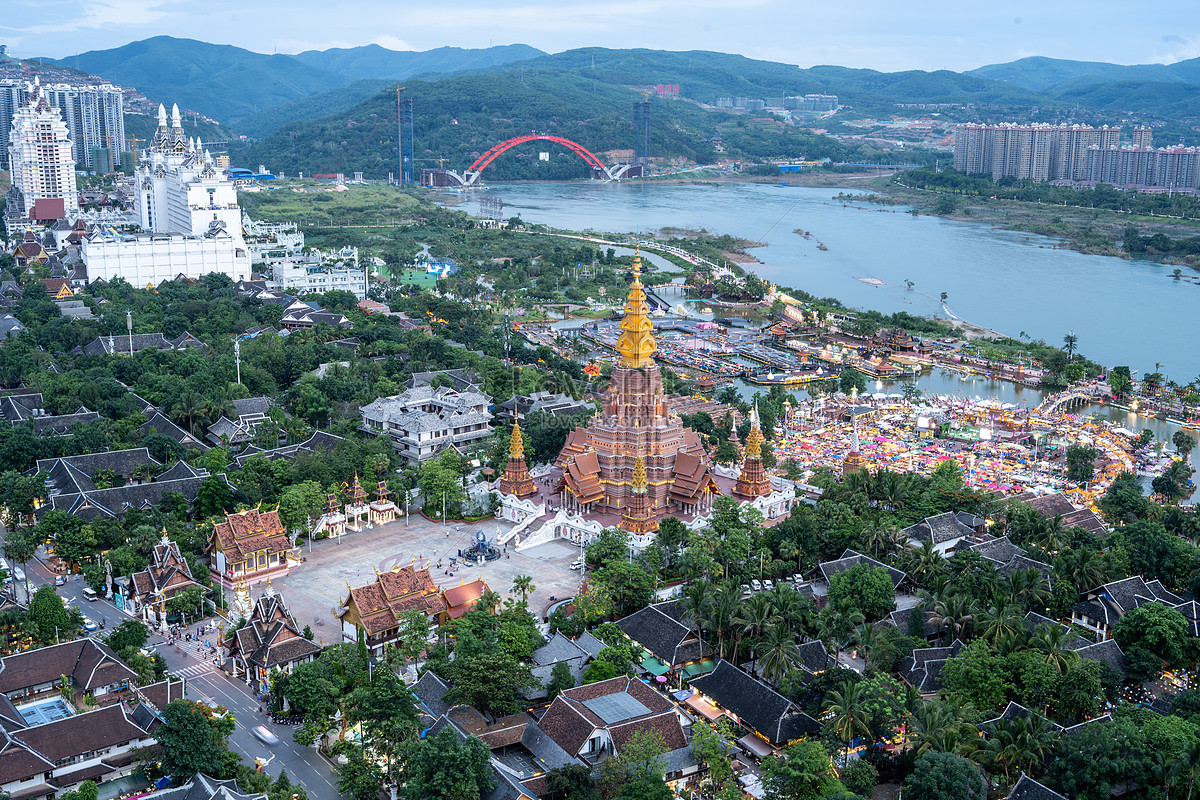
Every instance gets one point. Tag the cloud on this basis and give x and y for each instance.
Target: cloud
(104, 15)
(392, 42)
(1186, 48)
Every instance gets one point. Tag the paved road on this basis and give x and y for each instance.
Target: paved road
(206, 682)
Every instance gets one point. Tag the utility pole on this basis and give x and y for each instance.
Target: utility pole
(237, 358)
(129, 327)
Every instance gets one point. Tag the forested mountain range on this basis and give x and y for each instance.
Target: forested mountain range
(334, 110)
(230, 83)
(1170, 90)
(457, 118)
(374, 61)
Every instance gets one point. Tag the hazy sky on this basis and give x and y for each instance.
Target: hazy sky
(881, 34)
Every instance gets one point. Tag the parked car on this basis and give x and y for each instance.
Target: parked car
(265, 736)
(768, 584)
(756, 585)
(745, 590)
(576, 565)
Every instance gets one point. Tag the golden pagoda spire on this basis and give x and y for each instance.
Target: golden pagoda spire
(754, 439)
(516, 446)
(636, 343)
(639, 475)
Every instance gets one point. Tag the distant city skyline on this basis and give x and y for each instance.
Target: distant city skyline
(876, 34)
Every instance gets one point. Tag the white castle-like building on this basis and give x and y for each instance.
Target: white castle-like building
(189, 210)
(43, 168)
(180, 189)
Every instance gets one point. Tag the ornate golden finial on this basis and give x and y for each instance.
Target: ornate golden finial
(754, 439)
(516, 446)
(636, 343)
(639, 475)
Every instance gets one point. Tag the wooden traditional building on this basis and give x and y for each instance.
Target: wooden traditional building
(269, 641)
(167, 576)
(250, 546)
(460, 599)
(378, 607)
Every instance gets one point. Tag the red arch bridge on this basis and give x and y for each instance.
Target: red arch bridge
(470, 176)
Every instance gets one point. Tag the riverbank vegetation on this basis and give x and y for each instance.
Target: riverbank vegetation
(1098, 221)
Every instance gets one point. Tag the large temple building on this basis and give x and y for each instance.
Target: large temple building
(598, 462)
(634, 463)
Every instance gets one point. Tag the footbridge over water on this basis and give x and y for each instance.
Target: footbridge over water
(1071, 398)
(470, 176)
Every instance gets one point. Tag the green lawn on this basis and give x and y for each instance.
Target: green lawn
(426, 280)
(357, 205)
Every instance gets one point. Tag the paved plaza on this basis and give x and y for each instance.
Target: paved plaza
(315, 589)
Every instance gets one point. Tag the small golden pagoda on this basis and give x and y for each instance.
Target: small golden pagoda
(753, 482)
(515, 479)
(854, 461)
(639, 516)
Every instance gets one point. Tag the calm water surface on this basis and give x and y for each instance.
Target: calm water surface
(1124, 312)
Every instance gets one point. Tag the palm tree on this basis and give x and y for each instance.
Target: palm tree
(926, 561)
(1016, 745)
(723, 612)
(939, 728)
(189, 406)
(838, 624)
(780, 652)
(20, 545)
(523, 584)
(1083, 568)
(696, 599)
(849, 716)
(488, 601)
(880, 538)
(954, 615)
(1027, 588)
(789, 605)
(865, 638)
(1049, 534)
(1051, 641)
(1185, 768)
(894, 489)
(756, 614)
(1000, 624)
(1069, 342)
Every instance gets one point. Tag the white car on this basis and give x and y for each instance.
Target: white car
(90, 625)
(756, 585)
(576, 565)
(768, 584)
(265, 736)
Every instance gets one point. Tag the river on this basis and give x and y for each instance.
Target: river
(1124, 312)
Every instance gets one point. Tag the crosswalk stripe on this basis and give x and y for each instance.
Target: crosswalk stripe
(195, 670)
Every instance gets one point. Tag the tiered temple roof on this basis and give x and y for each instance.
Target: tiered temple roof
(635, 425)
